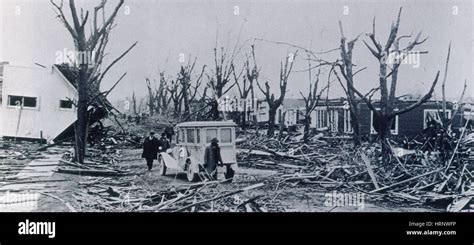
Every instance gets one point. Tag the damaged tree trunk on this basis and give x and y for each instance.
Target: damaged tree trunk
(88, 58)
(271, 122)
(274, 104)
(389, 57)
(82, 114)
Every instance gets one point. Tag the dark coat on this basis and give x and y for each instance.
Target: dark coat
(150, 148)
(169, 131)
(212, 157)
(164, 144)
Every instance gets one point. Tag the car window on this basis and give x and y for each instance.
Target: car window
(210, 134)
(177, 136)
(198, 135)
(180, 136)
(226, 135)
(190, 135)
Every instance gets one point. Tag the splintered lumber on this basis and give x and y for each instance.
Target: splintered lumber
(88, 172)
(180, 197)
(290, 166)
(406, 196)
(254, 152)
(73, 164)
(250, 200)
(282, 155)
(459, 204)
(405, 181)
(54, 144)
(222, 196)
(369, 170)
(68, 205)
(34, 181)
(441, 187)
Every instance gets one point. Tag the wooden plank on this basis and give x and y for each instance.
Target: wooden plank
(460, 204)
(88, 172)
(369, 170)
(404, 181)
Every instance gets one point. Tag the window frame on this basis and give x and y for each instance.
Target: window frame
(320, 119)
(333, 116)
(220, 136)
(392, 132)
(437, 113)
(23, 99)
(347, 122)
(180, 136)
(193, 135)
(198, 135)
(217, 134)
(64, 108)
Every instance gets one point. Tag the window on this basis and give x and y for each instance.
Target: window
(28, 102)
(321, 118)
(198, 135)
(347, 121)
(180, 136)
(393, 127)
(431, 116)
(210, 134)
(65, 104)
(333, 120)
(226, 135)
(190, 135)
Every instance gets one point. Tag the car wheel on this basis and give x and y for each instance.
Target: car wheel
(162, 167)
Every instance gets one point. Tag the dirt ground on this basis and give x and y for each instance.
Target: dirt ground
(274, 196)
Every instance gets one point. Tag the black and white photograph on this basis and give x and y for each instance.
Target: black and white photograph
(237, 106)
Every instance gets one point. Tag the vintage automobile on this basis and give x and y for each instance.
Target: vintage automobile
(191, 140)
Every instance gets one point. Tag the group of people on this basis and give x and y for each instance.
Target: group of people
(152, 146)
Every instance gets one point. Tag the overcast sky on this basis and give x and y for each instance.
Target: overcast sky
(30, 34)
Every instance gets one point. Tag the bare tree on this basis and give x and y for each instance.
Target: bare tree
(134, 104)
(223, 69)
(273, 103)
(160, 93)
(447, 121)
(165, 100)
(90, 73)
(345, 67)
(188, 90)
(151, 97)
(311, 100)
(388, 69)
(246, 89)
(176, 95)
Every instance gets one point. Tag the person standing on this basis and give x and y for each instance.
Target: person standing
(150, 150)
(169, 131)
(212, 158)
(164, 143)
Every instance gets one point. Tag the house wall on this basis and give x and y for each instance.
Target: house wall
(49, 86)
(410, 124)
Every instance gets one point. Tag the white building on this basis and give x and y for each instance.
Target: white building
(291, 109)
(35, 102)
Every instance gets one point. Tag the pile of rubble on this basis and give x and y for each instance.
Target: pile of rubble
(411, 176)
(19, 150)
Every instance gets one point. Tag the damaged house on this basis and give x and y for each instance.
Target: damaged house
(37, 103)
(333, 116)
